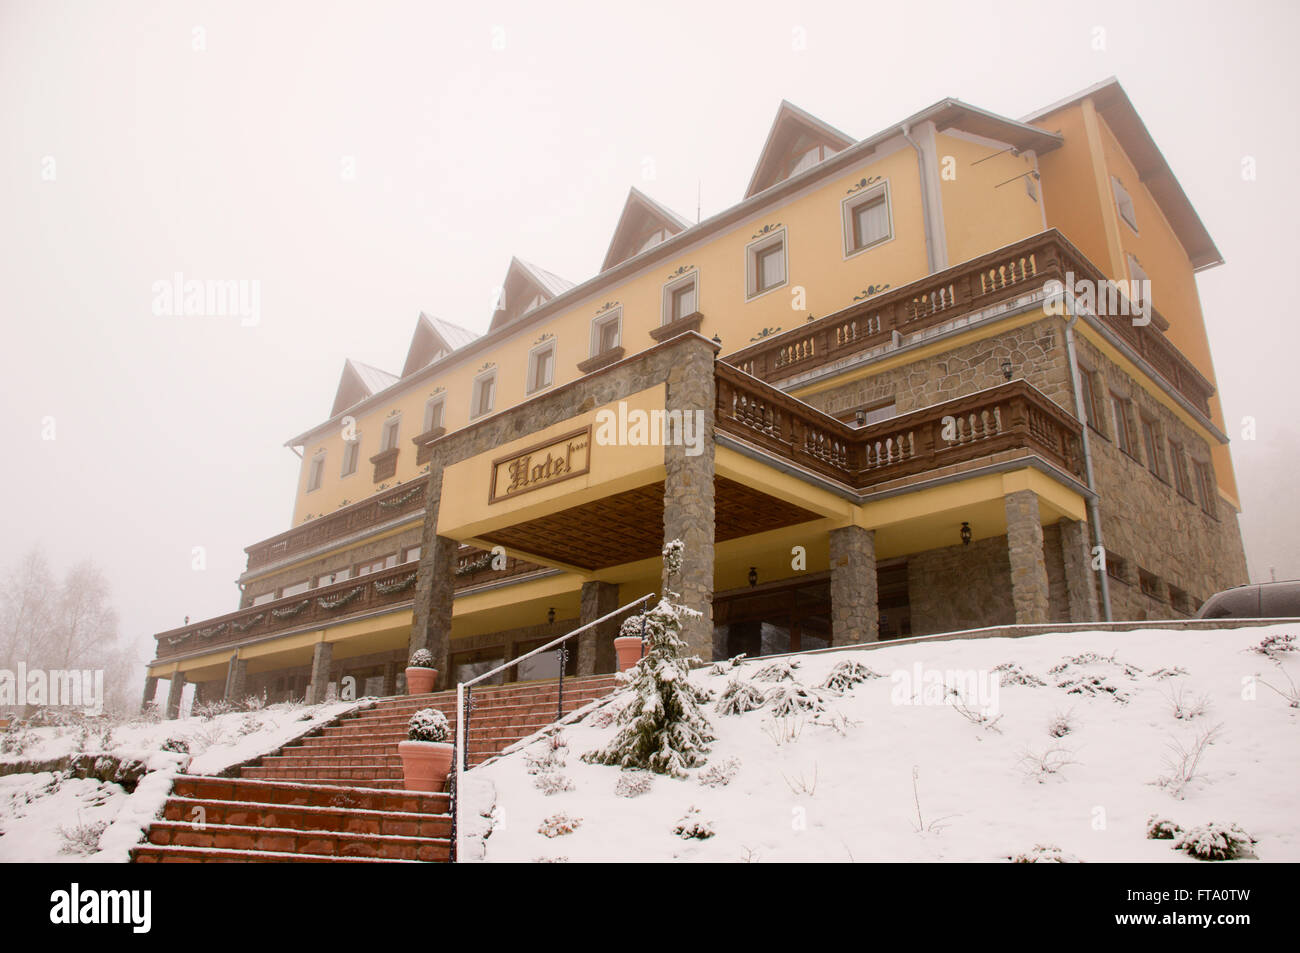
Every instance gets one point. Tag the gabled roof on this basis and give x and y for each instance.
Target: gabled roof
(642, 216)
(1113, 105)
(791, 128)
(523, 283)
(358, 382)
(433, 338)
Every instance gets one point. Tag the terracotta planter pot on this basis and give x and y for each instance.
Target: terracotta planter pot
(628, 648)
(420, 681)
(425, 764)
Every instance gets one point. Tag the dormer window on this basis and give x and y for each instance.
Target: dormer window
(809, 158)
(661, 235)
(537, 302)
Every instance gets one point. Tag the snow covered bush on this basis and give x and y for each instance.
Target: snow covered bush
(781, 670)
(552, 782)
(82, 838)
(1044, 854)
(1092, 685)
(1163, 673)
(209, 710)
(1009, 673)
(847, 674)
(558, 825)
(1183, 762)
(1215, 841)
(1275, 646)
(722, 668)
(178, 745)
(427, 724)
(1061, 724)
(791, 698)
(421, 658)
(633, 783)
(547, 755)
(664, 730)
(739, 697)
(1159, 828)
(720, 775)
(694, 827)
(1186, 706)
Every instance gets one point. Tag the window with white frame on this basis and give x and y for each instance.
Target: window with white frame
(681, 298)
(392, 426)
(351, 453)
(1124, 202)
(867, 220)
(766, 265)
(541, 367)
(809, 158)
(315, 472)
(433, 413)
(485, 393)
(660, 235)
(606, 332)
(295, 589)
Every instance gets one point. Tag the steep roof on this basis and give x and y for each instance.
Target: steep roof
(357, 382)
(525, 281)
(433, 338)
(792, 129)
(1113, 105)
(641, 217)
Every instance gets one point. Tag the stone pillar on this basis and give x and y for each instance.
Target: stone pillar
(390, 679)
(1029, 587)
(174, 689)
(236, 679)
(150, 690)
(596, 646)
(855, 610)
(318, 687)
(688, 490)
(1080, 579)
(435, 587)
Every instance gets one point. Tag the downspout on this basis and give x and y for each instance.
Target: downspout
(925, 196)
(1094, 512)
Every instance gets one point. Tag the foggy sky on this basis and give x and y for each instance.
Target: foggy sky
(497, 130)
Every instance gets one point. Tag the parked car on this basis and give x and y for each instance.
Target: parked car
(1261, 600)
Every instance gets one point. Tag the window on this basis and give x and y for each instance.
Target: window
(1151, 443)
(1150, 584)
(767, 264)
(606, 332)
(1178, 459)
(1123, 427)
(264, 597)
(1205, 485)
(659, 236)
(1141, 286)
(433, 409)
(1180, 600)
(388, 441)
(329, 578)
(1116, 567)
(484, 394)
(411, 554)
(867, 220)
(1088, 384)
(681, 300)
(295, 589)
(536, 302)
(541, 367)
(1124, 202)
(809, 158)
(376, 565)
(315, 472)
(351, 452)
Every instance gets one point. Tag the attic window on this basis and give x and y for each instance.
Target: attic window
(809, 158)
(660, 235)
(537, 302)
(1124, 202)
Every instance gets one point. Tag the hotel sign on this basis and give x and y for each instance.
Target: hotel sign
(542, 465)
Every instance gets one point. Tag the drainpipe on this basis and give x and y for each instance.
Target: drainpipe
(1094, 513)
(925, 195)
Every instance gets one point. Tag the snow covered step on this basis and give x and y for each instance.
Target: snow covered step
(306, 818)
(156, 854)
(309, 795)
(320, 843)
(325, 775)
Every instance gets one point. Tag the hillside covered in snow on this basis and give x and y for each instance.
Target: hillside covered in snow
(1053, 747)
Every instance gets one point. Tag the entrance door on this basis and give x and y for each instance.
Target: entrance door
(772, 621)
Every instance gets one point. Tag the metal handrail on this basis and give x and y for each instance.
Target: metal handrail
(464, 704)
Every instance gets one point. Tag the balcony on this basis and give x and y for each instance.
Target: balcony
(390, 589)
(1010, 417)
(972, 286)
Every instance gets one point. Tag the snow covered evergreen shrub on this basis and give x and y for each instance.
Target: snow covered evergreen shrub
(178, 745)
(722, 668)
(1275, 646)
(558, 825)
(633, 783)
(552, 782)
(16, 740)
(791, 698)
(1009, 673)
(846, 674)
(428, 724)
(721, 774)
(694, 827)
(664, 730)
(1092, 685)
(781, 670)
(421, 658)
(82, 838)
(1044, 854)
(1215, 841)
(739, 697)
(1159, 828)
(1093, 658)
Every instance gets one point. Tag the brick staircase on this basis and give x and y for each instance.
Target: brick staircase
(336, 795)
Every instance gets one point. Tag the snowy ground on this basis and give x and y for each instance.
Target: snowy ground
(42, 811)
(840, 786)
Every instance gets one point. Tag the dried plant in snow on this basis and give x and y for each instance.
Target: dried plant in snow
(1041, 765)
(739, 697)
(558, 825)
(633, 783)
(784, 730)
(1061, 724)
(803, 784)
(780, 670)
(1274, 647)
(1009, 673)
(791, 698)
(1187, 706)
(720, 775)
(1183, 763)
(847, 674)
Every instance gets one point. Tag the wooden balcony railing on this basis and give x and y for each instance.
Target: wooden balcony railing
(328, 605)
(401, 500)
(971, 286)
(1010, 416)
